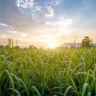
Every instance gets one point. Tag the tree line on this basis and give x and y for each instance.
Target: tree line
(86, 43)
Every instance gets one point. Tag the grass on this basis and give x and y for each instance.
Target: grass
(38, 72)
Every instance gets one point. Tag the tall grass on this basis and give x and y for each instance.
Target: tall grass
(38, 72)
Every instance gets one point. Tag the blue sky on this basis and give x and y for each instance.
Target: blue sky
(41, 21)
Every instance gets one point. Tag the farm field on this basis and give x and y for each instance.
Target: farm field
(39, 72)
(47, 47)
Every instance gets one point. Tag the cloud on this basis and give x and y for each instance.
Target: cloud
(38, 8)
(50, 12)
(61, 26)
(11, 15)
(61, 23)
(25, 3)
(57, 2)
(53, 2)
(20, 34)
(16, 24)
(2, 24)
(29, 7)
(5, 27)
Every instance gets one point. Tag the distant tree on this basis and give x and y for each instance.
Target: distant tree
(7, 46)
(32, 47)
(1, 46)
(86, 42)
(16, 47)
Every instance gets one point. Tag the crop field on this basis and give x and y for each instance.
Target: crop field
(39, 72)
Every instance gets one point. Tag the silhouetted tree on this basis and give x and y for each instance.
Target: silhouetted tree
(16, 47)
(1, 46)
(7, 46)
(86, 42)
(32, 47)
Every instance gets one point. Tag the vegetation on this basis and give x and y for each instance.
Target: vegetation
(86, 42)
(39, 72)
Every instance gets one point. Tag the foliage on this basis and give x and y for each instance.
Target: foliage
(86, 42)
(39, 72)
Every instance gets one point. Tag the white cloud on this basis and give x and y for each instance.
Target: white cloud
(25, 3)
(54, 2)
(5, 25)
(50, 12)
(13, 32)
(30, 8)
(61, 25)
(38, 8)
(34, 8)
(21, 34)
(62, 22)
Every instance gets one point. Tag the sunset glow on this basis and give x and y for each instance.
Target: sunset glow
(47, 47)
(37, 21)
(52, 45)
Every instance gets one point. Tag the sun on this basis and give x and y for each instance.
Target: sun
(52, 45)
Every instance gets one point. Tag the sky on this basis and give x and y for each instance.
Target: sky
(47, 22)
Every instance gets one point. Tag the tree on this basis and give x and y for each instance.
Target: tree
(16, 47)
(86, 42)
(32, 47)
(7, 46)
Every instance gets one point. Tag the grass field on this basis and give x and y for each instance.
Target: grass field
(38, 72)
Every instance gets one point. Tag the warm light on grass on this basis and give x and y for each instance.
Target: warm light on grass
(63, 72)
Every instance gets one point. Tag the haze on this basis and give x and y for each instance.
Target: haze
(47, 23)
